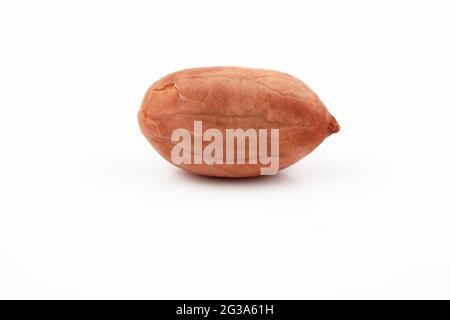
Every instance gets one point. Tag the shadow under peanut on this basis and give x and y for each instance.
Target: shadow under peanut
(280, 179)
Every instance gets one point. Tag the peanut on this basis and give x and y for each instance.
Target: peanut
(224, 98)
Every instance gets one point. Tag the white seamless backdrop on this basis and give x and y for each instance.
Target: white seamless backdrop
(89, 210)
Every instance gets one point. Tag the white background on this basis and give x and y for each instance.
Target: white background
(89, 210)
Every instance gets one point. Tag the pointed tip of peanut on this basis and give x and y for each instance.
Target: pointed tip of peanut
(333, 126)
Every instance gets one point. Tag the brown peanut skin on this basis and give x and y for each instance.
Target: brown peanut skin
(232, 98)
